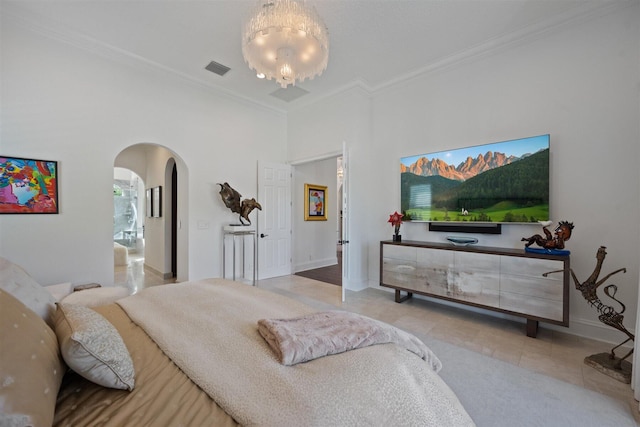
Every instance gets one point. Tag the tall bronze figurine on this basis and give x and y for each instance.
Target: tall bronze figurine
(231, 199)
(607, 363)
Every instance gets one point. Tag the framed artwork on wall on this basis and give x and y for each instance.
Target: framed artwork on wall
(315, 202)
(156, 201)
(28, 186)
(149, 205)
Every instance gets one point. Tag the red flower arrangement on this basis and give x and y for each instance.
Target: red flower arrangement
(396, 220)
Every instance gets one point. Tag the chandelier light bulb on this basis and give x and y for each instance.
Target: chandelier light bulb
(286, 72)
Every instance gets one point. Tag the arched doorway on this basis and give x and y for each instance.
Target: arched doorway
(165, 234)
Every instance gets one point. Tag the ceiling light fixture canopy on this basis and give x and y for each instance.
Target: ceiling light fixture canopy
(285, 40)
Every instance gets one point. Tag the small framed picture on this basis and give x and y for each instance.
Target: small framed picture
(149, 205)
(315, 206)
(156, 201)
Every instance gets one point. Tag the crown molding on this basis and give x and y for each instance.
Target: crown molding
(509, 40)
(499, 43)
(590, 10)
(121, 56)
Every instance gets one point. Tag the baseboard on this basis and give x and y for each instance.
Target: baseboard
(580, 327)
(355, 285)
(311, 265)
(158, 273)
(587, 328)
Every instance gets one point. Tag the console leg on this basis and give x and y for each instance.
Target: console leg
(532, 328)
(402, 299)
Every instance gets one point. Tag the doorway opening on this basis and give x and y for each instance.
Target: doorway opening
(128, 216)
(331, 172)
(174, 220)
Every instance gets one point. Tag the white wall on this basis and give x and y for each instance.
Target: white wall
(82, 110)
(314, 242)
(156, 238)
(580, 84)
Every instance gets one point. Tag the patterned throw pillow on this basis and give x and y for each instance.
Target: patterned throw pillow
(93, 348)
(31, 368)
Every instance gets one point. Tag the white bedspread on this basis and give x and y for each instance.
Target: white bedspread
(209, 329)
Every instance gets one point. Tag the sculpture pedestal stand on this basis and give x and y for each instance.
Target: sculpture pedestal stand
(239, 232)
(604, 363)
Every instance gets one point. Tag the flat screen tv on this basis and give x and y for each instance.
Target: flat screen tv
(502, 182)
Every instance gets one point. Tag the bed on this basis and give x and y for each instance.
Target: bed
(192, 354)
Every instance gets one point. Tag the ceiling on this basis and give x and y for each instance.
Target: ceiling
(373, 43)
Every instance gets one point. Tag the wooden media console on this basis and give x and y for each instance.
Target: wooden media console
(504, 280)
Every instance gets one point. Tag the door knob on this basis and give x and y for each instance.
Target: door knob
(262, 235)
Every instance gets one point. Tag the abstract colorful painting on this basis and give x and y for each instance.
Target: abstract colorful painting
(28, 186)
(315, 208)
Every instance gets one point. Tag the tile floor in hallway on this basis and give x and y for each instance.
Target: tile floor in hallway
(136, 276)
(552, 353)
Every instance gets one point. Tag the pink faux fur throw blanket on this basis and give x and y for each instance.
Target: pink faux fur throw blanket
(308, 337)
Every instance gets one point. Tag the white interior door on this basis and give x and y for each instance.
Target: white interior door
(274, 220)
(345, 218)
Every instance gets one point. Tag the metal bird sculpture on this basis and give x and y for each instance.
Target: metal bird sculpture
(231, 199)
(607, 314)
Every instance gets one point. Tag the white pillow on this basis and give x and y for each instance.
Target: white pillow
(97, 296)
(16, 281)
(92, 347)
(60, 290)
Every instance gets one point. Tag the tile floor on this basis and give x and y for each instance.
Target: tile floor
(552, 353)
(135, 276)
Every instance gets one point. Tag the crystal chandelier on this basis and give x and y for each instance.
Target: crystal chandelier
(285, 40)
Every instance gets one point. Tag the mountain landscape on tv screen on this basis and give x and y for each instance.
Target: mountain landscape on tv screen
(466, 170)
(493, 187)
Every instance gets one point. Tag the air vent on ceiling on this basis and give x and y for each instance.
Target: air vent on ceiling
(217, 68)
(289, 94)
